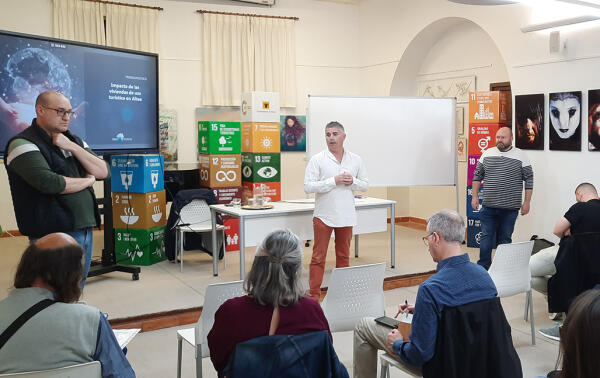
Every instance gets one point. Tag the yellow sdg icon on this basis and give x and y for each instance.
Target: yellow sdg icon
(267, 142)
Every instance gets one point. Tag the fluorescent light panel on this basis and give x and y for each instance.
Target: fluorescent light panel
(558, 23)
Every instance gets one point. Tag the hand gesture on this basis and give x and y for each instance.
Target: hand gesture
(405, 308)
(92, 180)
(391, 338)
(525, 208)
(61, 141)
(475, 203)
(344, 179)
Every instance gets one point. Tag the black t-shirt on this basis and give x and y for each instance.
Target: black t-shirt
(584, 216)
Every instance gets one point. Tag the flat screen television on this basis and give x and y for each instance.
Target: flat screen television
(113, 91)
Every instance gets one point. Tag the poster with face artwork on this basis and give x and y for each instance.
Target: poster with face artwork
(594, 120)
(565, 121)
(529, 122)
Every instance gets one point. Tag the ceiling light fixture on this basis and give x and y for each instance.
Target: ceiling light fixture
(558, 23)
(484, 2)
(582, 3)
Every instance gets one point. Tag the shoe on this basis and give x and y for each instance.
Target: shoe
(555, 315)
(551, 333)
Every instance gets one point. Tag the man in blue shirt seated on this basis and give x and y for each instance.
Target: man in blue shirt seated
(65, 332)
(456, 282)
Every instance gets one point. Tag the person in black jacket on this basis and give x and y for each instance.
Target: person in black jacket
(579, 230)
(51, 173)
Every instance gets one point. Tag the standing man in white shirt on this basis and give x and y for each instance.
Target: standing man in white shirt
(333, 174)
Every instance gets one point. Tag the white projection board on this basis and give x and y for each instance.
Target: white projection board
(402, 141)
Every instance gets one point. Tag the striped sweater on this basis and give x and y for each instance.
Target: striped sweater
(503, 174)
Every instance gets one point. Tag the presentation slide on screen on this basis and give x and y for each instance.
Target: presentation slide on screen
(112, 92)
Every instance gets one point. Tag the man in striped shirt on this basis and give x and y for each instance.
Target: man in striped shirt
(503, 170)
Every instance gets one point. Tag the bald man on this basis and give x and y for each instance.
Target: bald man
(51, 173)
(503, 170)
(581, 218)
(63, 332)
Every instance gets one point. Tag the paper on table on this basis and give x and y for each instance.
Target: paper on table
(124, 336)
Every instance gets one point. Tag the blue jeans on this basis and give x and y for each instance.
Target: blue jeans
(85, 238)
(497, 226)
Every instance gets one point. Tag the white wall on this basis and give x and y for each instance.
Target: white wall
(326, 55)
(356, 50)
(387, 27)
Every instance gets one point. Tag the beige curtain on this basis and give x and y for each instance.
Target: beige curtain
(227, 59)
(78, 20)
(242, 54)
(275, 58)
(132, 28)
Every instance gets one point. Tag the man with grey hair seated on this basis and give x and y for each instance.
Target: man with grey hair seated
(456, 282)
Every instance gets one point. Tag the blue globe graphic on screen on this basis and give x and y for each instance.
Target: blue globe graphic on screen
(35, 70)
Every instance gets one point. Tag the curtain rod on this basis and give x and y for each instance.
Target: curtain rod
(124, 4)
(247, 14)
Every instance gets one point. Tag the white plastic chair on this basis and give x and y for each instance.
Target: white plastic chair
(386, 361)
(215, 296)
(354, 293)
(511, 275)
(195, 217)
(86, 370)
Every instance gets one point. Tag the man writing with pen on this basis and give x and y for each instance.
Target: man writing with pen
(457, 281)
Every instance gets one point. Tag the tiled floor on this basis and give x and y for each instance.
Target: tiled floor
(162, 287)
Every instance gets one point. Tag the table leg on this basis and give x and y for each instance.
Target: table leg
(242, 249)
(215, 252)
(393, 234)
(356, 245)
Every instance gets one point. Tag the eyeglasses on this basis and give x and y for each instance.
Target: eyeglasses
(426, 238)
(61, 112)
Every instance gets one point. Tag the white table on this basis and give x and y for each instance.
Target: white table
(297, 215)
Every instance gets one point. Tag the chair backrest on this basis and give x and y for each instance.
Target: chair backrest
(510, 268)
(305, 355)
(473, 341)
(354, 293)
(215, 296)
(86, 370)
(195, 212)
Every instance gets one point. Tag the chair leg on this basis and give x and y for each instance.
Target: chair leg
(530, 296)
(179, 340)
(198, 361)
(527, 304)
(384, 370)
(181, 236)
(224, 250)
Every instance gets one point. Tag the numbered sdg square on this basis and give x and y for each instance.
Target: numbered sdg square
(473, 233)
(261, 137)
(140, 247)
(473, 214)
(258, 167)
(219, 171)
(482, 137)
(139, 210)
(137, 173)
(489, 107)
(271, 190)
(219, 137)
(226, 195)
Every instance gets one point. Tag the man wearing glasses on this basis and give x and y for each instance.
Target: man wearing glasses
(457, 281)
(51, 173)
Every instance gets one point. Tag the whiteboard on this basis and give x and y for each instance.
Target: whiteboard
(402, 141)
